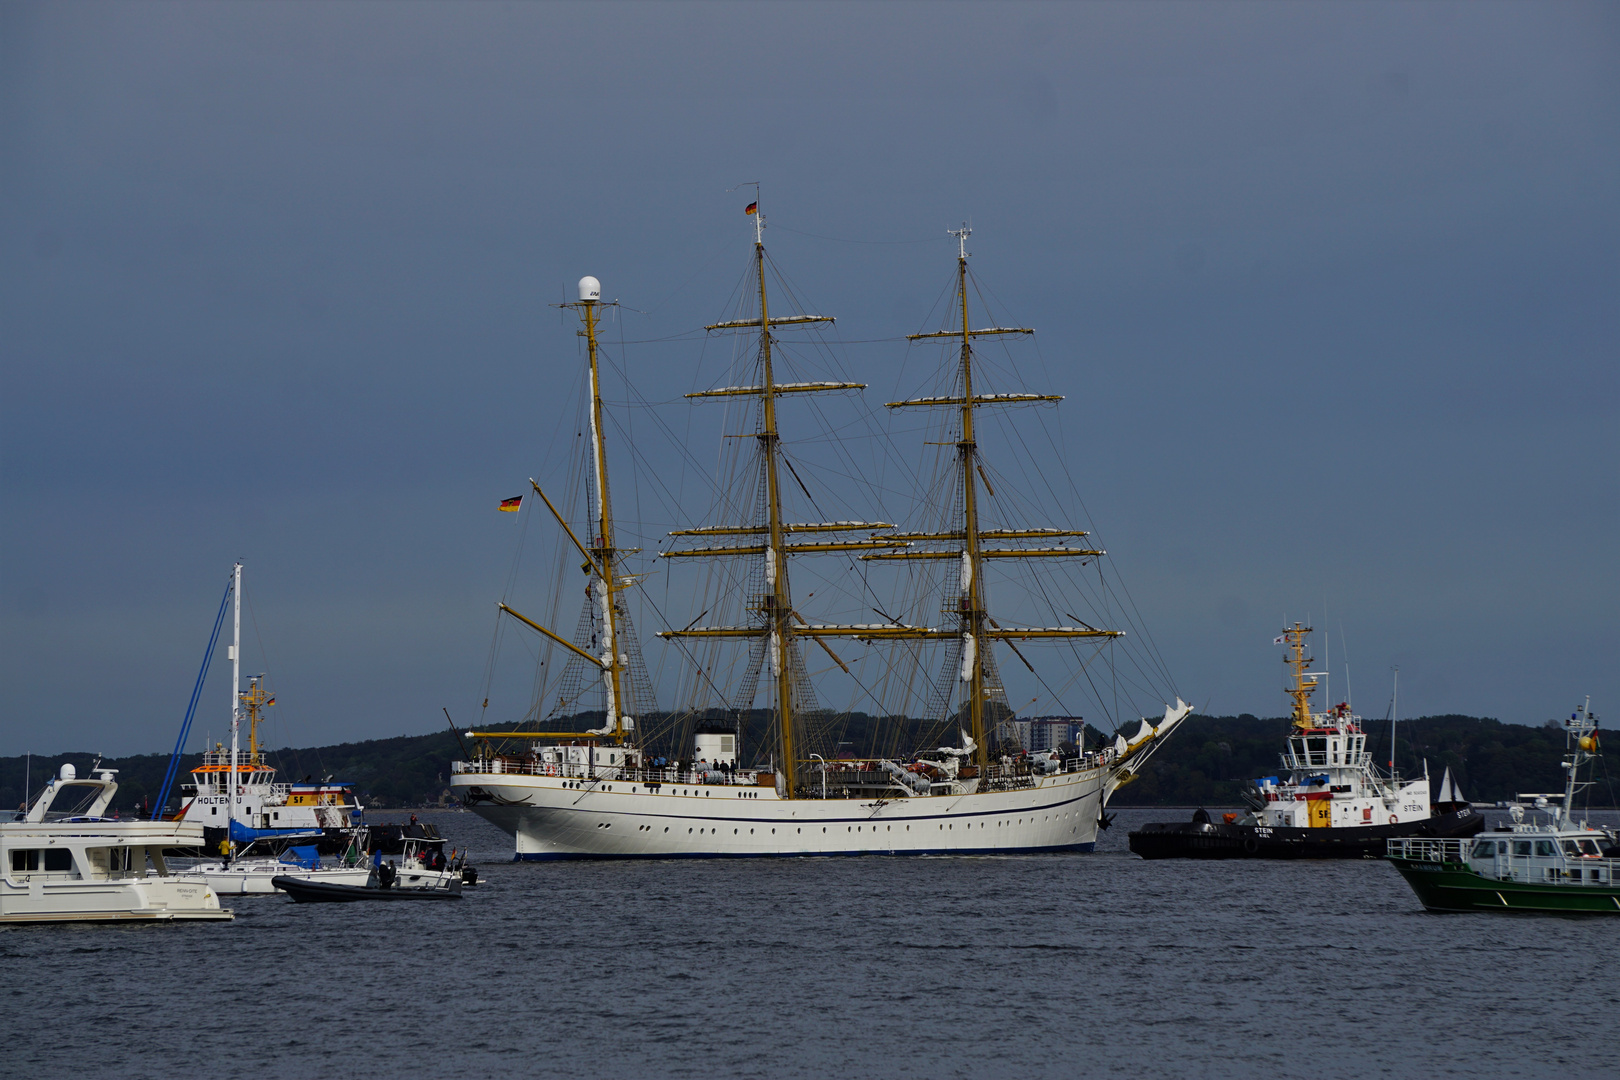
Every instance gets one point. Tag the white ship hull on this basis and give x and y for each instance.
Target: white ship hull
(255, 877)
(559, 818)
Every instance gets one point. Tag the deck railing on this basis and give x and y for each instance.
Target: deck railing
(998, 777)
(1428, 849)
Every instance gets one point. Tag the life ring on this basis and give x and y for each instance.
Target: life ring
(1393, 819)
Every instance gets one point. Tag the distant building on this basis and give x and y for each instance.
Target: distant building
(1050, 732)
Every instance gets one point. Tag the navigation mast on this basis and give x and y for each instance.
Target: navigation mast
(1304, 681)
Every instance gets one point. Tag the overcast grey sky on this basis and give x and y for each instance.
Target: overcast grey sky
(1331, 290)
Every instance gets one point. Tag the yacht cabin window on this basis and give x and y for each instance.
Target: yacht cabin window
(1545, 848)
(1521, 847)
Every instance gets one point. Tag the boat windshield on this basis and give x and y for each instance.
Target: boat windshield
(73, 800)
(1590, 848)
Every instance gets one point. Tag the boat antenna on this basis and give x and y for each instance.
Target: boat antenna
(1394, 712)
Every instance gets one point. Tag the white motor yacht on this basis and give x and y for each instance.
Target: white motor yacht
(64, 860)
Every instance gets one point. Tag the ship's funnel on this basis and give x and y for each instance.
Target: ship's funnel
(590, 290)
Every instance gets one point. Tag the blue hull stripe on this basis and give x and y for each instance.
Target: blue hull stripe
(1052, 849)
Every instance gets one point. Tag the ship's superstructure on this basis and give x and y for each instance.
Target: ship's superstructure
(234, 793)
(1328, 779)
(603, 793)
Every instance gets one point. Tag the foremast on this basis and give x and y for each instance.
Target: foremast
(976, 629)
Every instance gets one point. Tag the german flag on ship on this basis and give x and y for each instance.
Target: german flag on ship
(511, 506)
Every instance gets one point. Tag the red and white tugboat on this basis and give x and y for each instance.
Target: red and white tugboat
(1329, 801)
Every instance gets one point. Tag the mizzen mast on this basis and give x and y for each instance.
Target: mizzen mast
(602, 547)
(601, 557)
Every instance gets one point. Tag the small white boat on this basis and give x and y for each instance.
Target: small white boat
(250, 874)
(422, 865)
(63, 861)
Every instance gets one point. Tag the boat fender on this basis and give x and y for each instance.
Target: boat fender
(1251, 845)
(1393, 819)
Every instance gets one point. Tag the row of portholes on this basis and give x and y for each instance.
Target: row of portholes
(747, 794)
(847, 828)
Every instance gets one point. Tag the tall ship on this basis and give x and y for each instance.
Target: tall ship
(1328, 801)
(705, 781)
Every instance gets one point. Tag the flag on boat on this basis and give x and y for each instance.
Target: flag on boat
(511, 505)
(272, 700)
(751, 208)
(1278, 640)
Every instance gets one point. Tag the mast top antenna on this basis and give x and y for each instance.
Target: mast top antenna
(590, 290)
(961, 239)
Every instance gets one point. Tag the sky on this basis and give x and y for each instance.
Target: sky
(1330, 291)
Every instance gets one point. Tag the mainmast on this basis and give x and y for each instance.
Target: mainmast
(976, 629)
(780, 625)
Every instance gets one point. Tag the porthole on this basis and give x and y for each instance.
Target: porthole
(689, 832)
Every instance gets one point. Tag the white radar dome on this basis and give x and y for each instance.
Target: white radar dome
(69, 772)
(590, 288)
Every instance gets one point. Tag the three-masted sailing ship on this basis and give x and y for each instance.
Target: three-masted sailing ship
(611, 792)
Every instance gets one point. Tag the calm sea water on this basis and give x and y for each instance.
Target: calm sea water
(1062, 965)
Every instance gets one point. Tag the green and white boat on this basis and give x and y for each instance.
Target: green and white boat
(1555, 864)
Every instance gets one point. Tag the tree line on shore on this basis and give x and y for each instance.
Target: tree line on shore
(1208, 760)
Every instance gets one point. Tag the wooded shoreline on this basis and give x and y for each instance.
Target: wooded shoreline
(1206, 762)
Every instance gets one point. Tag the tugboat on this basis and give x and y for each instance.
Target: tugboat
(1328, 802)
(234, 794)
(1554, 865)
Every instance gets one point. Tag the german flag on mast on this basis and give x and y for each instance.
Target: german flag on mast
(511, 506)
(751, 208)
